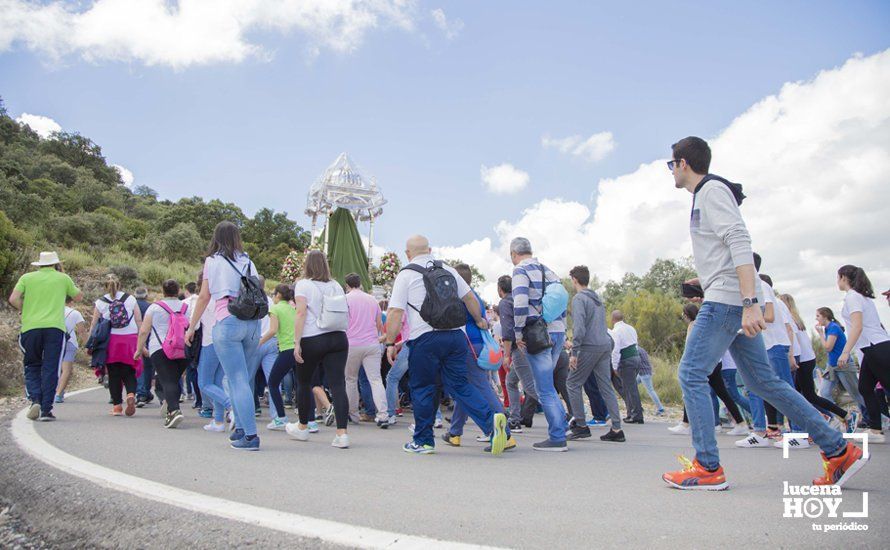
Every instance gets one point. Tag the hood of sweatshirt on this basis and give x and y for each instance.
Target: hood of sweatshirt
(736, 188)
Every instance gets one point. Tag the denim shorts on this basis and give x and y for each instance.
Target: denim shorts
(69, 352)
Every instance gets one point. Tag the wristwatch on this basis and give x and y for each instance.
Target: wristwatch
(748, 302)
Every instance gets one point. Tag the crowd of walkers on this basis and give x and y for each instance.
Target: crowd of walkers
(337, 356)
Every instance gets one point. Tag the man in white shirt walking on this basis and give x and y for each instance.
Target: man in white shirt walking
(433, 295)
(626, 361)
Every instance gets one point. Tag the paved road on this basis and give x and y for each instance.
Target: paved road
(601, 494)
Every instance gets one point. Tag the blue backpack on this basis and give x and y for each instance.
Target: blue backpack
(555, 299)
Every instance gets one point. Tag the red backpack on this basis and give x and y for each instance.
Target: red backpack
(173, 343)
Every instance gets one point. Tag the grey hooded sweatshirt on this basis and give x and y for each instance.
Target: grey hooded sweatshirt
(720, 240)
(589, 322)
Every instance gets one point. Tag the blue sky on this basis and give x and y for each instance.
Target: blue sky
(423, 112)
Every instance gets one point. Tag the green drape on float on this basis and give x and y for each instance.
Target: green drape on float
(346, 253)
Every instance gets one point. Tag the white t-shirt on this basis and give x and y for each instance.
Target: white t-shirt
(803, 346)
(160, 321)
(72, 319)
(623, 336)
(728, 361)
(776, 333)
(872, 331)
(313, 291)
(264, 322)
(208, 320)
(408, 289)
(130, 304)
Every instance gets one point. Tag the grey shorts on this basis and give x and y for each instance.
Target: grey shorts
(69, 352)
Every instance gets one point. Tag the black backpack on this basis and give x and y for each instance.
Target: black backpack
(251, 304)
(442, 308)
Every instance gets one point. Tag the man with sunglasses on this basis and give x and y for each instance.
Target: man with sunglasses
(731, 318)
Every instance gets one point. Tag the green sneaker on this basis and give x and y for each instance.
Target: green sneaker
(499, 439)
(416, 449)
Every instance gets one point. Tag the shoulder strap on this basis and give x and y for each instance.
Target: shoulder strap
(106, 300)
(235, 268)
(416, 268)
(163, 305)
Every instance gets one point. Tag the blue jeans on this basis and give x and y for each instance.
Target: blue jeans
(481, 380)
(646, 380)
(143, 383)
(266, 356)
(393, 377)
(778, 360)
(543, 364)
(43, 355)
(236, 343)
(715, 330)
(364, 390)
(442, 355)
(732, 387)
(210, 381)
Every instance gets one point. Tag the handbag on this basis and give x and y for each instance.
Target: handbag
(492, 356)
(536, 336)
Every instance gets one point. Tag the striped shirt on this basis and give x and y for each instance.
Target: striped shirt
(528, 293)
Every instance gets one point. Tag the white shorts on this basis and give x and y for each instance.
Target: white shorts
(69, 352)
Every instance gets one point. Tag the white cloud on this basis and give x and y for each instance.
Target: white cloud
(190, 32)
(814, 162)
(44, 126)
(451, 28)
(504, 178)
(593, 149)
(126, 175)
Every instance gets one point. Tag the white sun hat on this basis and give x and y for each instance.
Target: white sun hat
(47, 259)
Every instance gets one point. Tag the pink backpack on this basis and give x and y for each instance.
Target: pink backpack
(173, 343)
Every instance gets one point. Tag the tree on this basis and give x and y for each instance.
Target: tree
(668, 275)
(478, 278)
(13, 246)
(657, 318)
(181, 242)
(145, 191)
(204, 215)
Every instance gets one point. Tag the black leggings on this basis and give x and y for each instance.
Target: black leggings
(715, 380)
(169, 371)
(803, 380)
(328, 352)
(875, 368)
(122, 375)
(284, 363)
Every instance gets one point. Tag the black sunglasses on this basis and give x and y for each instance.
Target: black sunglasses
(672, 163)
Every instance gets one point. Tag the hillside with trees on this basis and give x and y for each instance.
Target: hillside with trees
(61, 193)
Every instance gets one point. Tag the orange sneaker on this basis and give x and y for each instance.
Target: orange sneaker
(840, 469)
(117, 410)
(694, 477)
(131, 405)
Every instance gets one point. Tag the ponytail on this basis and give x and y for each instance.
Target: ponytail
(858, 280)
(828, 314)
(112, 285)
(792, 307)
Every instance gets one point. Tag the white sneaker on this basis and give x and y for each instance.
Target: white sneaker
(277, 424)
(793, 443)
(875, 436)
(341, 441)
(483, 438)
(230, 421)
(717, 430)
(313, 427)
(837, 424)
(215, 426)
(680, 429)
(753, 441)
(438, 423)
(293, 430)
(33, 411)
(738, 429)
(411, 428)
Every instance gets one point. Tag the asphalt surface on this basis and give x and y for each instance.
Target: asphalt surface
(602, 494)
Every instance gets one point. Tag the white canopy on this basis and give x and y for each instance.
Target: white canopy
(343, 186)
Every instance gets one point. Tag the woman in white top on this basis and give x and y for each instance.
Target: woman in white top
(867, 336)
(74, 327)
(154, 331)
(234, 340)
(805, 357)
(210, 372)
(321, 343)
(123, 312)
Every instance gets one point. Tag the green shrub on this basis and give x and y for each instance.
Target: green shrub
(76, 259)
(664, 378)
(13, 249)
(154, 273)
(127, 275)
(181, 242)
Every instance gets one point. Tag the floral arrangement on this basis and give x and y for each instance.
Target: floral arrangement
(388, 269)
(292, 267)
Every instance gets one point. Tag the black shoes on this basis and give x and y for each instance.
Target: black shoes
(612, 435)
(516, 427)
(632, 421)
(577, 432)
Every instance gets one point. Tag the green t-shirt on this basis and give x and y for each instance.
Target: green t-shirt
(286, 315)
(44, 293)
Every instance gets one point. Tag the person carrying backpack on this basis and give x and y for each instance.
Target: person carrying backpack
(436, 300)
(230, 282)
(163, 330)
(123, 367)
(322, 317)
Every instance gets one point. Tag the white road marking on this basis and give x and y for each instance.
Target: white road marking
(29, 440)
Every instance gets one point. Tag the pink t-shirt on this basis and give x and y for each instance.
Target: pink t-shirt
(363, 315)
(221, 307)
